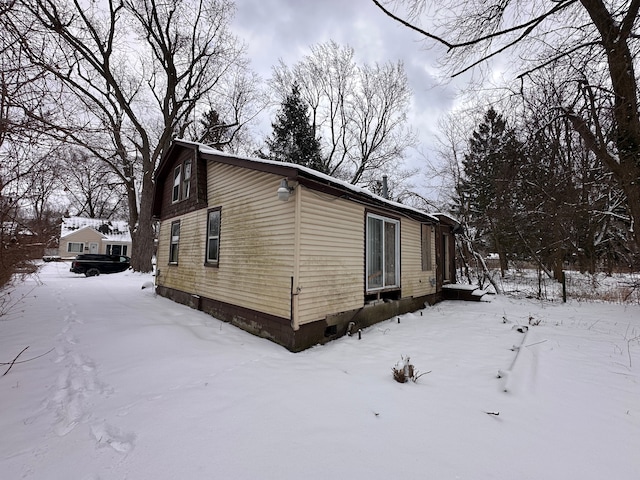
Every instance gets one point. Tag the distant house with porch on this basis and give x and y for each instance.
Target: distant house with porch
(94, 235)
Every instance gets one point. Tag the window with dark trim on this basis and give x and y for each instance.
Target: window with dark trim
(182, 179)
(382, 252)
(115, 249)
(446, 258)
(177, 175)
(427, 263)
(175, 241)
(213, 237)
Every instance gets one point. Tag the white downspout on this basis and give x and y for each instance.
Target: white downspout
(295, 312)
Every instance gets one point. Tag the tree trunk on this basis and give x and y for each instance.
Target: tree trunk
(632, 190)
(142, 246)
(558, 266)
(142, 231)
(502, 254)
(626, 166)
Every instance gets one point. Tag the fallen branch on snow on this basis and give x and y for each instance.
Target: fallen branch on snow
(14, 361)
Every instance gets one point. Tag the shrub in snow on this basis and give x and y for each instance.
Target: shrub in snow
(403, 371)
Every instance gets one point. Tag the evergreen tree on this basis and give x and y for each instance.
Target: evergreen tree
(489, 186)
(293, 139)
(214, 130)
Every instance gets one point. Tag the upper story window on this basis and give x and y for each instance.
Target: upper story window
(177, 176)
(182, 177)
(186, 182)
(382, 252)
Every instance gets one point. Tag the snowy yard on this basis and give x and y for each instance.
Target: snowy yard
(137, 387)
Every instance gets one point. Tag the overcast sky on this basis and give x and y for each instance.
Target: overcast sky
(286, 29)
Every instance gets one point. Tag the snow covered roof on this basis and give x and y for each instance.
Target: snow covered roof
(309, 172)
(111, 230)
(13, 228)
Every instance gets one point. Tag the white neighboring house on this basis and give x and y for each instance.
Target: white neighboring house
(94, 235)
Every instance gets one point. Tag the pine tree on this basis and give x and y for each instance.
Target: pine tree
(293, 139)
(490, 183)
(214, 130)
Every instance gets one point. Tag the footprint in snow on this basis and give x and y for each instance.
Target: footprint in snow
(107, 435)
(75, 387)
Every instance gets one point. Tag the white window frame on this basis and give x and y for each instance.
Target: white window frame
(174, 242)
(81, 250)
(209, 259)
(186, 182)
(385, 283)
(177, 184)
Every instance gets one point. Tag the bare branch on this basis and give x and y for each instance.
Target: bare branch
(14, 360)
(413, 27)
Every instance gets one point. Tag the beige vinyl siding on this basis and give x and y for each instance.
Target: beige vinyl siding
(162, 253)
(331, 270)
(86, 236)
(256, 243)
(185, 275)
(415, 282)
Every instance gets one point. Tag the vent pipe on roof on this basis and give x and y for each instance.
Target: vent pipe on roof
(385, 187)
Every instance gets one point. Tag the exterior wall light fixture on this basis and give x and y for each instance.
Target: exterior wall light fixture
(284, 190)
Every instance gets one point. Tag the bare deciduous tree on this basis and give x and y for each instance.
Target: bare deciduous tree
(134, 71)
(91, 186)
(25, 178)
(229, 111)
(359, 112)
(594, 41)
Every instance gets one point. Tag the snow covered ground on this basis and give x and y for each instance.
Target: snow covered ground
(137, 387)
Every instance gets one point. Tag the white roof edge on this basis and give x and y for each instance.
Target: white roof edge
(84, 227)
(322, 176)
(72, 225)
(447, 215)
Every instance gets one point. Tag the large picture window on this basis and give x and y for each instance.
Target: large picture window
(383, 252)
(213, 237)
(175, 240)
(75, 247)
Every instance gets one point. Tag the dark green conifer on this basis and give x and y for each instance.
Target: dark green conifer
(293, 139)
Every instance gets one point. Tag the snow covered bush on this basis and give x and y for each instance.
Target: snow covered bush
(403, 371)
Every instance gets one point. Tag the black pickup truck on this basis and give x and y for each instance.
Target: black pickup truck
(92, 264)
